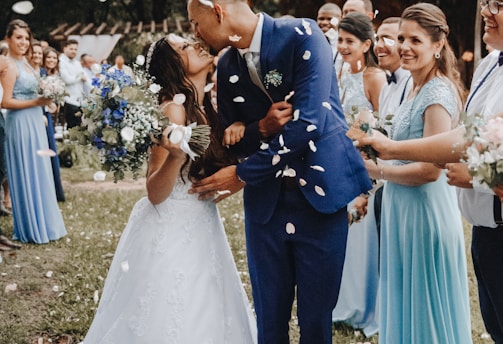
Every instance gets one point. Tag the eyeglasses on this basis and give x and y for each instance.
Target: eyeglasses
(494, 5)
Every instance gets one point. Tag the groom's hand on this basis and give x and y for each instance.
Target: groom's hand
(279, 114)
(219, 185)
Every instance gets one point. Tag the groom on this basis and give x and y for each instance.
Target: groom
(298, 178)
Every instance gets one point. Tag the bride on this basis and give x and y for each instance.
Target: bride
(173, 278)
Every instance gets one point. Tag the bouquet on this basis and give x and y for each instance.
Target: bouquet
(362, 122)
(484, 154)
(121, 116)
(53, 87)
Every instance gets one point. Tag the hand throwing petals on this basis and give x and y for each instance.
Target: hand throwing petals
(238, 100)
(310, 128)
(233, 79)
(290, 228)
(307, 55)
(319, 190)
(179, 98)
(317, 168)
(275, 159)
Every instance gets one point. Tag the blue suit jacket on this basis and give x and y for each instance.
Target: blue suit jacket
(328, 168)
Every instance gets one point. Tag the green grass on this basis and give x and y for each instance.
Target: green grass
(95, 215)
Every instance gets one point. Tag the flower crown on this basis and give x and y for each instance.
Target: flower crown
(149, 56)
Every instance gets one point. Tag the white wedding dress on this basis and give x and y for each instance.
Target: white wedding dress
(173, 279)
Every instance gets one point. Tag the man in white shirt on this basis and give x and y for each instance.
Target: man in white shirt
(75, 80)
(119, 65)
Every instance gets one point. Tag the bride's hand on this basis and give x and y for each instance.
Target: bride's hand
(173, 148)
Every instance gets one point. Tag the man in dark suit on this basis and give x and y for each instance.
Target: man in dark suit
(299, 177)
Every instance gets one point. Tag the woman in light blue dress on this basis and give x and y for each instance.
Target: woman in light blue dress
(360, 88)
(37, 217)
(423, 286)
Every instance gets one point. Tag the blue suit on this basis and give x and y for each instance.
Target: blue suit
(296, 236)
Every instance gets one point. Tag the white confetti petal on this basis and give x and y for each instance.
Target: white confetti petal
(289, 172)
(319, 190)
(359, 65)
(388, 41)
(327, 105)
(99, 176)
(312, 146)
(264, 146)
(235, 38)
(48, 274)
(485, 335)
(223, 192)
(298, 31)
(233, 79)
(302, 182)
(284, 150)
(289, 95)
(275, 159)
(279, 173)
(296, 115)
(307, 55)
(281, 140)
(334, 21)
(208, 87)
(179, 98)
(307, 27)
(290, 228)
(310, 128)
(10, 287)
(125, 266)
(317, 168)
(46, 152)
(206, 3)
(238, 100)
(96, 297)
(55, 288)
(331, 34)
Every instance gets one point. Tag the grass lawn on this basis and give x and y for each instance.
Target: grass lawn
(58, 284)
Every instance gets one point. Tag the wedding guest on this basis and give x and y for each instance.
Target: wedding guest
(37, 217)
(35, 56)
(51, 67)
(6, 244)
(329, 16)
(87, 61)
(76, 82)
(423, 275)
(5, 202)
(119, 65)
(361, 86)
(173, 278)
(300, 178)
(361, 6)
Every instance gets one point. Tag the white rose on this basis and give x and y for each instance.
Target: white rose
(127, 134)
(95, 68)
(140, 60)
(155, 88)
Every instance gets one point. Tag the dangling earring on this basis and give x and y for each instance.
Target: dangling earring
(437, 55)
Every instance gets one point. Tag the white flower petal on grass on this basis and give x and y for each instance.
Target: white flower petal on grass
(275, 159)
(302, 182)
(310, 128)
(96, 297)
(290, 228)
(264, 146)
(307, 27)
(235, 38)
(299, 31)
(48, 274)
(389, 42)
(319, 190)
(55, 288)
(485, 335)
(155, 88)
(281, 140)
(206, 3)
(317, 168)
(307, 55)
(10, 287)
(140, 61)
(233, 79)
(334, 21)
(99, 176)
(125, 266)
(296, 115)
(208, 87)
(312, 146)
(327, 105)
(179, 98)
(127, 134)
(238, 99)
(289, 172)
(46, 152)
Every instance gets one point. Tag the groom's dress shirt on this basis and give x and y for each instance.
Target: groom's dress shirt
(477, 204)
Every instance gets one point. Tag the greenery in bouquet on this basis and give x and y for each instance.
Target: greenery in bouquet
(120, 117)
(53, 87)
(484, 153)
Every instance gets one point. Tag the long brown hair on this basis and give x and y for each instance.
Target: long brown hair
(19, 24)
(54, 70)
(166, 66)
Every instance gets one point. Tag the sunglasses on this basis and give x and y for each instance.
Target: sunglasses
(494, 5)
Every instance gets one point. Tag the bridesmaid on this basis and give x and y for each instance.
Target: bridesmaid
(37, 218)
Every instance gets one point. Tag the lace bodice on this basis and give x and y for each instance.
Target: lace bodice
(26, 86)
(353, 94)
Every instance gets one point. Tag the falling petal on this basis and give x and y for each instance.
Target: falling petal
(296, 115)
(359, 65)
(310, 128)
(284, 150)
(46, 152)
(302, 182)
(289, 172)
(233, 79)
(223, 192)
(327, 105)
(331, 34)
(179, 98)
(264, 146)
(239, 100)
(279, 173)
(206, 3)
(208, 87)
(289, 95)
(319, 190)
(99, 176)
(96, 297)
(376, 12)
(317, 168)
(290, 228)
(298, 31)
(485, 335)
(275, 159)
(312, 146)
(281, 140)
(307, 27)
(389, 42)
(125, 266)
(307, 55)
(334, 21)
(235, 38)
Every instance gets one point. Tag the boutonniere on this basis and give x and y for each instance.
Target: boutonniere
(273, 77)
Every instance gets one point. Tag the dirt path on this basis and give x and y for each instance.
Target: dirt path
(138, 184)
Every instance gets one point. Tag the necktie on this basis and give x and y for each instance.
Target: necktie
(252, 69)
(500, 59)
(391, 78)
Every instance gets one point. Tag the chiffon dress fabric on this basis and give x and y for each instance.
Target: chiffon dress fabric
(424, 287)
(173, 279)
(357, 301)
(37, 217)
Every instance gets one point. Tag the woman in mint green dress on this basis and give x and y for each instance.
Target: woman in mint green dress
(423, 288)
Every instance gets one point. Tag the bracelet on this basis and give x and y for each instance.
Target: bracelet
(381, 173)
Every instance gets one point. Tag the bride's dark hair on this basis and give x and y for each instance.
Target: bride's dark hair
(166, 66)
